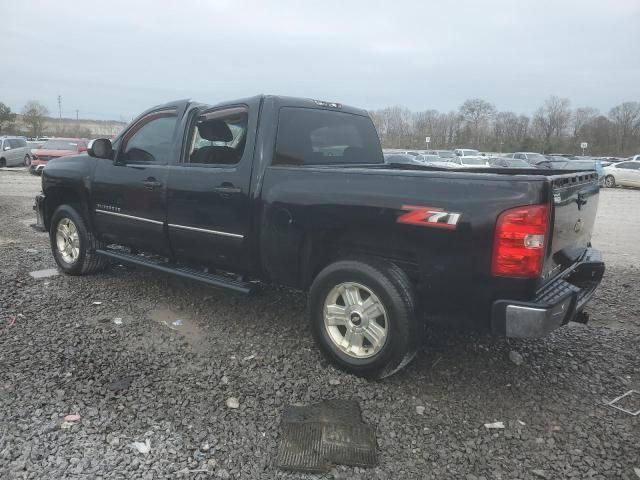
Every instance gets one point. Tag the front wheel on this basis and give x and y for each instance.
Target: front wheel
(609, 181)
(72, 243)
(362, 315)
(27, 161)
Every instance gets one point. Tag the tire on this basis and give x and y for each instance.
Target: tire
(345, 338)
(27, 161)
(78, 257)
(609, 181)
(3, 163)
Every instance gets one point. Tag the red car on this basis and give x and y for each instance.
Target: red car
(55, 148)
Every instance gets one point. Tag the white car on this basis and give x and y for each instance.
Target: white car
(14, 151)
(531, 157)
(625, 174)
(467, 157)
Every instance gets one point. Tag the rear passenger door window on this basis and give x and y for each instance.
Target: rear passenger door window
(218, 138)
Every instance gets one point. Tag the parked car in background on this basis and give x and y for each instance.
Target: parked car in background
(33, 145)
(467, 152)
(14, 151)
(401, 159)
(624, 174)
(441, 153)
(55, 148)
(505, 162)
(428, 158)
(468, 161)
(531, 157)
(413, 153)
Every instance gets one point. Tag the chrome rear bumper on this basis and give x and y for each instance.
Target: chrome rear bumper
(556, 304)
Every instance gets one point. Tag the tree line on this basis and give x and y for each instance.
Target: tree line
(34, 119)
(554, 127)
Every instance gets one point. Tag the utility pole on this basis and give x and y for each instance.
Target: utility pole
(77, 111)
(60, 112)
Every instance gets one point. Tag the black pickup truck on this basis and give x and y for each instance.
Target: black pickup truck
(296, 192)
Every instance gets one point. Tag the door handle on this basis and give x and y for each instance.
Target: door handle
(151, 183)
(227, 189)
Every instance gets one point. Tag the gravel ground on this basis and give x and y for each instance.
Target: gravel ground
(137, 379)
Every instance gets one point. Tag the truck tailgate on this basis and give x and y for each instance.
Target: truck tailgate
(574, 204)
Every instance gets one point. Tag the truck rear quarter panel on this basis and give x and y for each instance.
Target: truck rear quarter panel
(313, 215)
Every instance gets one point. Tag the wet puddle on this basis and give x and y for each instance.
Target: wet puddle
(46, 273)
(177, 321)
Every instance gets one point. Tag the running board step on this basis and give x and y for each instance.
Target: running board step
(213, 279)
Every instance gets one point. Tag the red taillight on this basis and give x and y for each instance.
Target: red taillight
(519, 243)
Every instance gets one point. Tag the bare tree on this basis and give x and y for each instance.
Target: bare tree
(394, 125)
(33, 115)
(626, 122)
(6, 117)
(476, 112)
(582, 117)
(510, 131)
(553, 125)
(552, 119)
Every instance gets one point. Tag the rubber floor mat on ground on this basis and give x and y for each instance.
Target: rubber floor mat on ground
(319, 435)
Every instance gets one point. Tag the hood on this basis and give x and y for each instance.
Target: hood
(44, 152)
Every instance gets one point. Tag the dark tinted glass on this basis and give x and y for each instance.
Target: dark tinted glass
(627, 166)
(321, 137)
(153, 142)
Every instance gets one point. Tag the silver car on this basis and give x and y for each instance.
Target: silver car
(14, 151)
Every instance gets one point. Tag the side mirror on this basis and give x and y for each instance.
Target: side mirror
(7, 147)
(100, 148)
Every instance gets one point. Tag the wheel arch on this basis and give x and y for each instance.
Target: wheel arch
(56, 196)
(322, 248)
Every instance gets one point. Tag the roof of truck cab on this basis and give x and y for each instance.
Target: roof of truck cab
(279, 101)
(284, 101)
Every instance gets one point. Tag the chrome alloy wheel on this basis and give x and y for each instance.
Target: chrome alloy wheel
(68, 240)
(609, 181)
(355, 320)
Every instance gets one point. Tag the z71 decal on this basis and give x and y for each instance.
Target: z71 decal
(429, 217)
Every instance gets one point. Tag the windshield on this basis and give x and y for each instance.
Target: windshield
(473, 161)
(60, 145)
(470, 153)
(536, 156)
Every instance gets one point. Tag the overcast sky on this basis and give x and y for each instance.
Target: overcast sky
(121, 58)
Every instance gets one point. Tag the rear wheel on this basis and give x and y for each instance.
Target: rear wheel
(3, 163)
(362, 315)
(72, 243)
(609, 181)
(27, 160)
